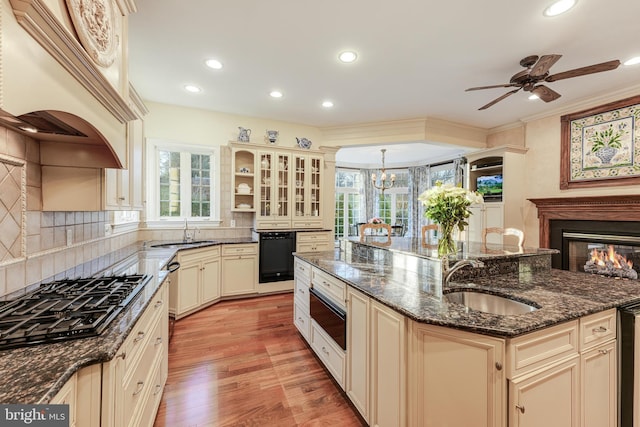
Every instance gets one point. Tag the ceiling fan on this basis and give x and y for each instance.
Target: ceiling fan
(537, 70)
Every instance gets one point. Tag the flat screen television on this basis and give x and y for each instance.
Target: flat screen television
(490, 186)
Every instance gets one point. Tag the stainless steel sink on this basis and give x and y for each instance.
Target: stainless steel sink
(182, 244)
(488, 303)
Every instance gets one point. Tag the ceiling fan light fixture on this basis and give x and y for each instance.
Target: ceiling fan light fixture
(633, 61)
(559, 7)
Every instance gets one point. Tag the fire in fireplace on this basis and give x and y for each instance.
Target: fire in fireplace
(610, 263)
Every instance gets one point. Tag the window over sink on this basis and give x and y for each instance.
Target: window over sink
(182, 183)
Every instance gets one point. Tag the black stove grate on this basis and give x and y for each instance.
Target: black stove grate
(66, 309)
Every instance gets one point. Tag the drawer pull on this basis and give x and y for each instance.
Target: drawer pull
(123, 355)
(520, 408)
(326, 284)
(324, 350)
(158, 389)
(499, 366)
(158, 341)
(158, 304)
(139, 388)
(139, 337)
(603, 351)
(301, 319)
(599, 330)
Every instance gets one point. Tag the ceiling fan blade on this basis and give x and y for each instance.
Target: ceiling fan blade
(491, 87)
(484, 107)
(591, 69)
(543, 65)
(546, 94)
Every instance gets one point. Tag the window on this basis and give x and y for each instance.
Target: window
(394, 208)
(349, 205)
(182, 183)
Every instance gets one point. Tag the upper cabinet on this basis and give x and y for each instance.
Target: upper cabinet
(307, 200)
(275, 190)
(243, 181)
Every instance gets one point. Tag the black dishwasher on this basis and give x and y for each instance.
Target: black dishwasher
(276, 256)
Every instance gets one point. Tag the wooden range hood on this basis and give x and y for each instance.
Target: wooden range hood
(596, 208)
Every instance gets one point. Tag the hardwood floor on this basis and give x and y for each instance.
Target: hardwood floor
(243, 363)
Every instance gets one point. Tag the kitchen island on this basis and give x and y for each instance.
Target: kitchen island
(414, 358)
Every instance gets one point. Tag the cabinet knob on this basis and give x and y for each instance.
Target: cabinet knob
(603, 351)
(158, 341)
(520, 408)
(499, 366)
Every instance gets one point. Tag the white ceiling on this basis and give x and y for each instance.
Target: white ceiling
(416, 57)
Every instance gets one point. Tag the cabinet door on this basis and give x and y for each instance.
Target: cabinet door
(388, 367)
(306, 182)
(357, 383)
(239, 275)
(599, 389)
(243, 182)
(136, 163)
(210, 280)
(189, 284)
(550, 398)
(458, 378)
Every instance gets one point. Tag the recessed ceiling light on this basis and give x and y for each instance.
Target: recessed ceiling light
(276, 94)
(633, 61)
(327, 104)
(192, 88)
(348, 56)
(559, 7)
(213, 63)
(533, 96)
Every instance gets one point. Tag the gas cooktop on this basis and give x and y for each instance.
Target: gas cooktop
(66, 309)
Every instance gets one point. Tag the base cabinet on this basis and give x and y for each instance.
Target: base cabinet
(358, 383)
(457, 378)
(239, 269)
(197, 282)
(598, 369)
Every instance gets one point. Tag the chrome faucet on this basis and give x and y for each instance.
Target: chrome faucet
(447, 271)
(187, 237)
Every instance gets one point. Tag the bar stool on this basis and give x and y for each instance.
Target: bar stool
(510, 231)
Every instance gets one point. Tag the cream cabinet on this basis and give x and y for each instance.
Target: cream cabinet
(133, 381)
(332, 356)
(314, 241)
(302, 283)
(243, 182)
(68, 396)
(274, 197)
(508, 209)
(196, 283)
(239, 269)
(458, 378)
(358, 384)
(307, 196)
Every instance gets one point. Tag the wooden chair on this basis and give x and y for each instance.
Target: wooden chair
(504, 232)
(425, 237)
(376, 227)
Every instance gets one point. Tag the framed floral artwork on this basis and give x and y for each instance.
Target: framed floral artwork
(600, 146)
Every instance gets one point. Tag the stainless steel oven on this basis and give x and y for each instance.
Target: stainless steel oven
(331, 318)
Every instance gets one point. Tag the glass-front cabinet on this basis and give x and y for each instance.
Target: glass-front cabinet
(243, 180)
(306, 182)
(274, 204)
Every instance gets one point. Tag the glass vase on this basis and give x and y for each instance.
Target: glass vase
(446, 244)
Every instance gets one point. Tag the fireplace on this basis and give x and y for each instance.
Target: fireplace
(581, 227)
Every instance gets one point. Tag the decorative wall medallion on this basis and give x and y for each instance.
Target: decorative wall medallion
(97, 27)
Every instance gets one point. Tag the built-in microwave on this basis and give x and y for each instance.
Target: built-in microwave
(331, 318)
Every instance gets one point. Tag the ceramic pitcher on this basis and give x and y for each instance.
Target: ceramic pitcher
(243, 134)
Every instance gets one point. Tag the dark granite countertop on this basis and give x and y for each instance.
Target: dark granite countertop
(413, 291)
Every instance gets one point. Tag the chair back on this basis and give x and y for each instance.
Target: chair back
(425, 230)
(376, 227)
(510, 231)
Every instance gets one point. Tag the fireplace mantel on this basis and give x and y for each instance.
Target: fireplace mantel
(602, 208)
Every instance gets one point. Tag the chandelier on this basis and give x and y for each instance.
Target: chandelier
(384, 184)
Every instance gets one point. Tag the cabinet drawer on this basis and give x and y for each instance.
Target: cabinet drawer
(301, 293)
(314, 237)
(302, 270)
(144, 329)
(138, 383)
(306, 223)
(302, 320)
(597, 329)
(329, 286)
(230, 250)
(540, 348)
(331, 355)
(156, 386)
(196, 255)
(273, 224)
(314, 247)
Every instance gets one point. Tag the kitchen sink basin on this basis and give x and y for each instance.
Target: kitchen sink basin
(488, 303)
(182, 244)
